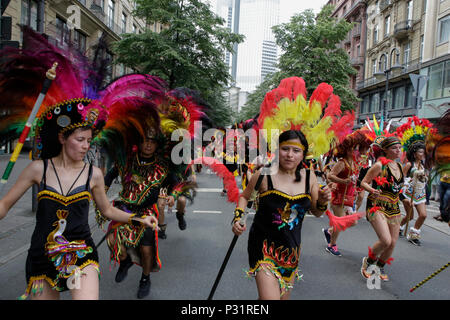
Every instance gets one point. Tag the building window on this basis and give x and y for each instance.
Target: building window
(387, 23)
(407, 53)
(390, 102)
(399, 97)
(444, 30)
(124, 23)
(365, 105)
(29, 14)
(436, 74)
(62, 33)
(110, 13)
(374, 103)
(446, 91)
(421, 48)
(134, 29)
(79, 41)
(374, 66)
(409, 9)
(375, 34)
(409, 96)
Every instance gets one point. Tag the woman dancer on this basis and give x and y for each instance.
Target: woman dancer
(285, 197)
(345, 174)
(289, 190)
(383, 181)
(62, 254)
(412, 134)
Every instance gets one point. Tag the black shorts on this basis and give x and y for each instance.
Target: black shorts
(148, 238)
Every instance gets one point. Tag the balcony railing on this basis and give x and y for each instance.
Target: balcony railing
(407, 67)
(385, 3)
(403, 27)
(357, 61)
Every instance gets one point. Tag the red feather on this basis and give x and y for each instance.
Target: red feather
(221, 170)
(342, 223)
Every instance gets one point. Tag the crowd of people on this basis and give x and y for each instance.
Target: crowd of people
(319, 164)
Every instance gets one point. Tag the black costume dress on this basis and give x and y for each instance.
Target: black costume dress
(274, 241)
(142, 180)
(387, 201)
(61, 244)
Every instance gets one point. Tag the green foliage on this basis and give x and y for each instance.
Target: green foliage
(309, 45)
(188, 52)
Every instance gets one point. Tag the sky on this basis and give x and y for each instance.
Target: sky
(290, 7)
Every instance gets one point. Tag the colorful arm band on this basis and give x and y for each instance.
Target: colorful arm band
(238, 212)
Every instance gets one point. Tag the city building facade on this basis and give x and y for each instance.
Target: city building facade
(394, 57)
(354, 44)
(78, 23)
(435, 66)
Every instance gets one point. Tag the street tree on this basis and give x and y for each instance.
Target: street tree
(310, 49)
(188, 52)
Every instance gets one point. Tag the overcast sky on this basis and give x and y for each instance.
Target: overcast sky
(290, 7)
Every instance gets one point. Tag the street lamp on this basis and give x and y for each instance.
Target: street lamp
(386, 71)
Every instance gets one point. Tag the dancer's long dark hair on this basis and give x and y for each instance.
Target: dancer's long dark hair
(293, 135)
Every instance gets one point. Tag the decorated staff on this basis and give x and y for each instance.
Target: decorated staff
(431, 276)
(242, 221)
(50, 76)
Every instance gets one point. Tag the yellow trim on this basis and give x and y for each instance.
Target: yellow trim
(292, 143)
(47, 194)
(283, 194)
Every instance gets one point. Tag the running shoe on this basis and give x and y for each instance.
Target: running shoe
(364, 267)
(413, 238)
(383, 275)
(333, 250)
(144, 288)
(327, 235)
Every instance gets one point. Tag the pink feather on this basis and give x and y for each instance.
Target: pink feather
(342, 223)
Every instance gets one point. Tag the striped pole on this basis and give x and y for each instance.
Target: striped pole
(429, 277)
(51, 74)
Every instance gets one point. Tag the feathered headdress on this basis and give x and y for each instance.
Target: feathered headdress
(413, 132)
(133, 114)
(68, 103)
(377, 132)
(320, 119)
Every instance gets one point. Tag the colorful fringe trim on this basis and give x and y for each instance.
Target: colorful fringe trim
(36, 283)
(285, 283)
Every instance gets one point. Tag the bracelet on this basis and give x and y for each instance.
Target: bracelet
(238, 212)
(321, 207)
(134, 222)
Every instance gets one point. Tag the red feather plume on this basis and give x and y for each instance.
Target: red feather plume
(342, 223)
(221, 170)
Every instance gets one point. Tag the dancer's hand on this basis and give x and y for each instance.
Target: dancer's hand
(375, 192)
(149, 221)
(170, 201)
(238, 229)
(324, 195)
